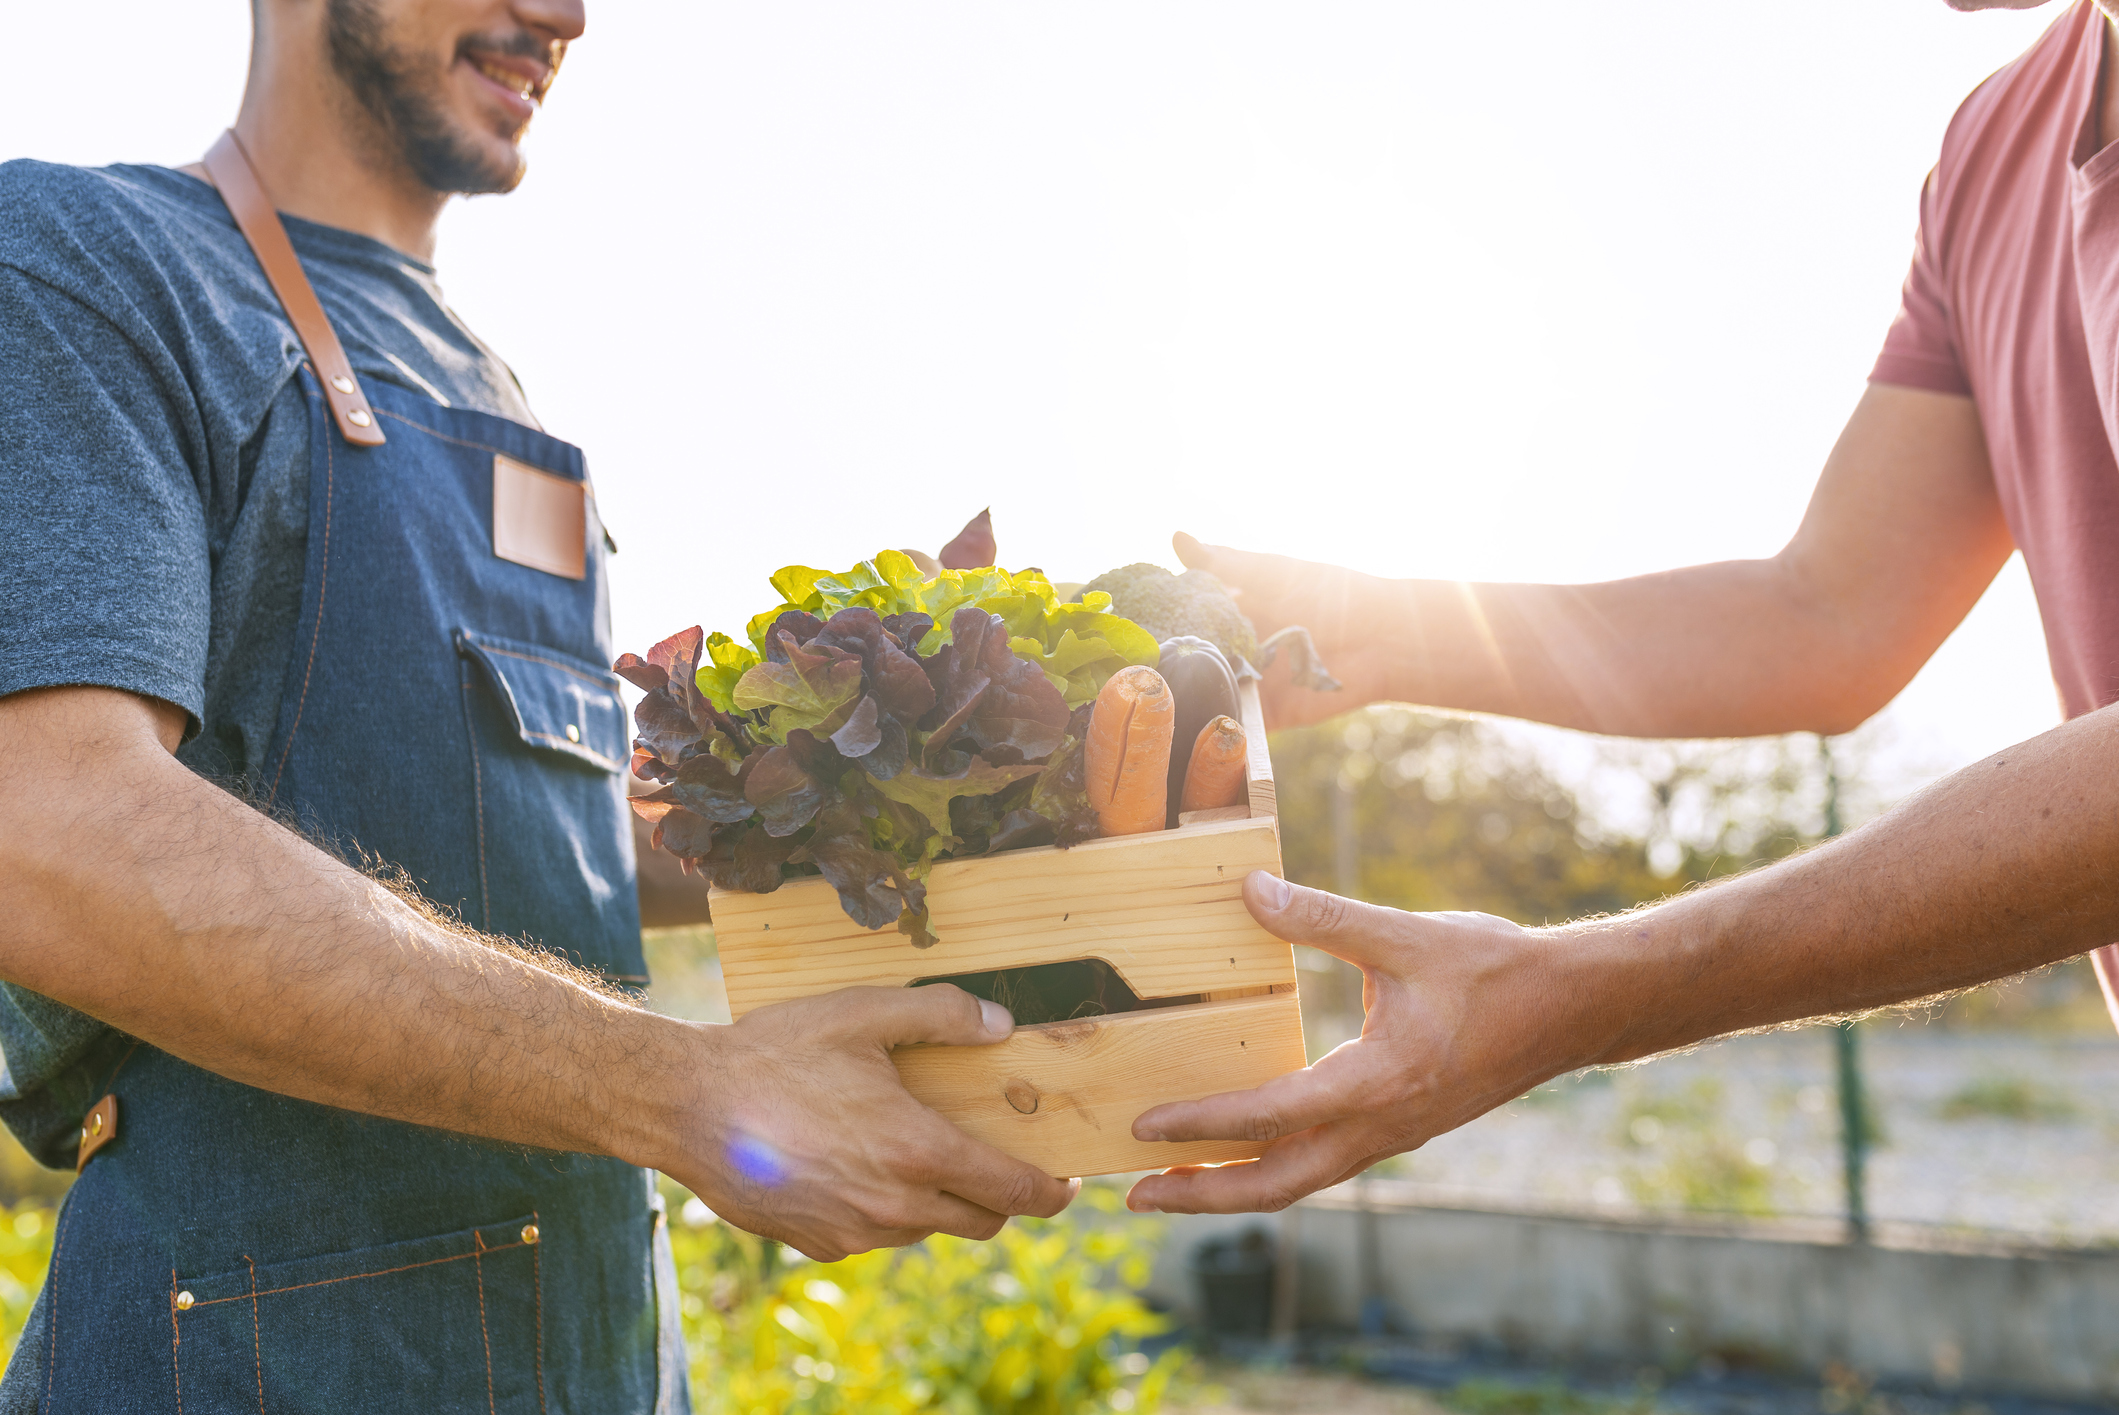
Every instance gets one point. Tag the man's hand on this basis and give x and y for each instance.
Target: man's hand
(1348, 616)
(1452, 1031)
(801, 1131)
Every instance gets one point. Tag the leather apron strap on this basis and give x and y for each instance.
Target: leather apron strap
(255, 217)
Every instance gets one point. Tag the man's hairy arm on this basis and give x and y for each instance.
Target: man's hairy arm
(2004, 866)
(154, 901)
(1902, 535)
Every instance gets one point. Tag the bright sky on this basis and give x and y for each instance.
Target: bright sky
(1540, 290)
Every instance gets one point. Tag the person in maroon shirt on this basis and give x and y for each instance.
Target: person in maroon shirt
(1989, 424)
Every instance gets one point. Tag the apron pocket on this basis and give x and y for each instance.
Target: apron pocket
(454, 1321)
(554, 701)
(548, 738)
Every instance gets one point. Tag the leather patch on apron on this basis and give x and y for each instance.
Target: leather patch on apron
(539, 520)
(98, 1128)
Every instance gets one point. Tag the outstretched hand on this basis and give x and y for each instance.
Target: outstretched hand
(1349, 616)
(1458, 1010)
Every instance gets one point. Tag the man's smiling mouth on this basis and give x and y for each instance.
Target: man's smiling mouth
(527, 88)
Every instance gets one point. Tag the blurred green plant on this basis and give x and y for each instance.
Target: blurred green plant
(25, 1252)
(1040, 1321)
(2007, 1098)
(1689, 1160)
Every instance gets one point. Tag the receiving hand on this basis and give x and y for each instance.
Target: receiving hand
(1451, 1031)
(805, 1133)
(1347, 613)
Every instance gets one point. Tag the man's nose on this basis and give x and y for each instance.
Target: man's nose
(562, 19)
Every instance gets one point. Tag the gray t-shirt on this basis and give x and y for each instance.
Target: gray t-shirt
(154, 483)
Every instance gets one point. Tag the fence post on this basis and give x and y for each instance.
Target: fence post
(1853, 1109)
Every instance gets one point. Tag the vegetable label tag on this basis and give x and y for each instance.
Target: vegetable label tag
(539, 520)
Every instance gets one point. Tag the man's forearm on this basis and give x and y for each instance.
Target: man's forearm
(1723, 650)
(2004, 866)
(160, 904)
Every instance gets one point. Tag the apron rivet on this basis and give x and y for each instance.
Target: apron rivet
(95, 1124)
(359, 417)
(529, 1233)
(342, 383)
(185, 1301)
(573, 733)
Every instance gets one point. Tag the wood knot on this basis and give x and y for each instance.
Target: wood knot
(1021, 1094)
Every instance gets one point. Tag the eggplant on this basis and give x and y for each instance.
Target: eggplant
(1204, 687)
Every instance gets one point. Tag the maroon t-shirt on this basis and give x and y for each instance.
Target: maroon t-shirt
(2014, 299)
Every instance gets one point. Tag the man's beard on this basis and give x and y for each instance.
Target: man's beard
(398, 91)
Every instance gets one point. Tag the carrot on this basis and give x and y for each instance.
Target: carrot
(1216, 776)
(1128, 752)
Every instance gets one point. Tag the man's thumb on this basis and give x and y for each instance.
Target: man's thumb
(941, 1013)
(1345, 928)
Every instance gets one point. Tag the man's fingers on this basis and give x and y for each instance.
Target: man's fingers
(1297, 1166)
(1267, 576)
(1282, 1106)
(982, 1175)
(940, 1012)
(1363, 934)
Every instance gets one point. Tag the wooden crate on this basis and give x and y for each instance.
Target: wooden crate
(1164, 910)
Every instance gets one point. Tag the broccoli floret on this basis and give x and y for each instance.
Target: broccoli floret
(1168, 606)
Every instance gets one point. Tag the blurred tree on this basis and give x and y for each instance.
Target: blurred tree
(1453, 813)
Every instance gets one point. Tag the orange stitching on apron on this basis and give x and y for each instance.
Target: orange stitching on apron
(176, 1339)
(113, 1081)
(51, 1285)
(555, 663)
(537, 1281)
(350, 1277)
(323, 580)
(484, 1336)
(478, 796)
(257, 1340)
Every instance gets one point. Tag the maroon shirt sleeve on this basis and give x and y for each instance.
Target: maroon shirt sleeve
(1921, 349)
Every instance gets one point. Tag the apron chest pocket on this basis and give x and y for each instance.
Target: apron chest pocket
(453, 1321)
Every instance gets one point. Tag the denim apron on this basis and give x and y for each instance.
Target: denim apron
(451, 714)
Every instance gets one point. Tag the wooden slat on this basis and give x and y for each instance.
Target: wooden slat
(1165, 910)
(1088, 1081)
(1259, 768)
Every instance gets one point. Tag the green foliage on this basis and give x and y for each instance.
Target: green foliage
(1038, 1322)
(1686, 1156)
(1446, 815)
(2007, 1098)
(25, 1252)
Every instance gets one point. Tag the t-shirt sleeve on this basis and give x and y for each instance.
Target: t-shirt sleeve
(105, 567)
(1920, 351)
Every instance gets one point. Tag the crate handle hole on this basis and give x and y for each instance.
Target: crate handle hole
(1067, 991)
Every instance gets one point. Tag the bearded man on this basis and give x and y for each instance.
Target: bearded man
(1990, 424)
(277, 529)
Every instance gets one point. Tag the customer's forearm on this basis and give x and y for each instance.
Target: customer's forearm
(160, 904)
(2004, 866)
(1721, 650)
